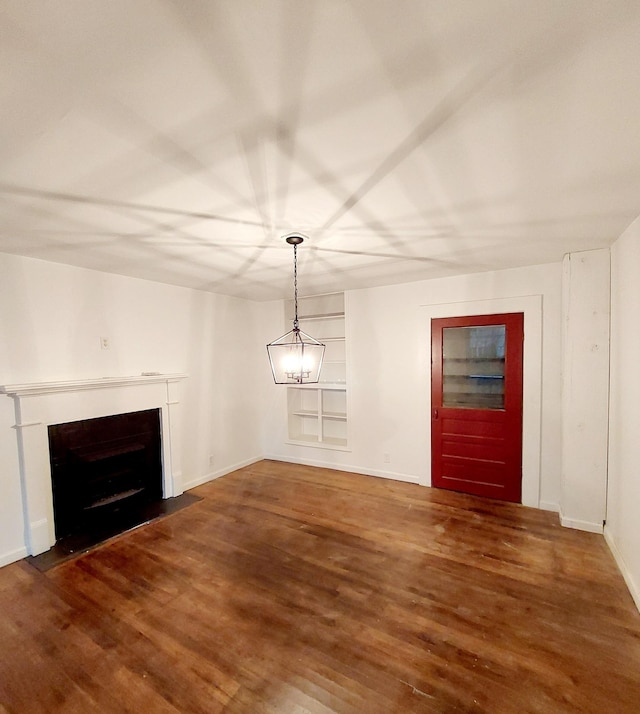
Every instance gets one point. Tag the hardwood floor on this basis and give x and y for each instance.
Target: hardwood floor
(292, 589)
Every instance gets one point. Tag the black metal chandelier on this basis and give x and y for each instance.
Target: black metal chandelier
(296, 358)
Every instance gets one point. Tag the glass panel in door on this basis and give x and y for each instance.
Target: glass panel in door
(473, 367)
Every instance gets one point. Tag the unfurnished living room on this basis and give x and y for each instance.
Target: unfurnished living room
(319, 348)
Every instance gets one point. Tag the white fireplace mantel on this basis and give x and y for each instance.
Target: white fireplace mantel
(41, 404)
(76, 385)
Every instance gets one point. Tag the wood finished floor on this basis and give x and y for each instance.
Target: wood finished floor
(291, 589)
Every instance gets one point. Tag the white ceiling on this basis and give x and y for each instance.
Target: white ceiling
(409, 139)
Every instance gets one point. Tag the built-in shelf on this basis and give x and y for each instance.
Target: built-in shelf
(337, 386)
(317, 413)
(328, 316)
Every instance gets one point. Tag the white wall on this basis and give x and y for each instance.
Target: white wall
(52, 317)
(585, 389)
(623, 499)
(389, 372)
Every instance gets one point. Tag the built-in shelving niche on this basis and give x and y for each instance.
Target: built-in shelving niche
(317, 413)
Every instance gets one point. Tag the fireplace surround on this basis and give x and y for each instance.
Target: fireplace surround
(39, 405)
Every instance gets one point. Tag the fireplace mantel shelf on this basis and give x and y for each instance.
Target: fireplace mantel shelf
(77, 385)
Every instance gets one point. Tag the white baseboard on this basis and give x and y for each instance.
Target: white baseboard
(187, 485)
(634, 589)
(581, 525)
(549, 506)
(42, 536)
(345, 467)
(12, 556)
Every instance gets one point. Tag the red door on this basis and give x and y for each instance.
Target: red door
(476, 405)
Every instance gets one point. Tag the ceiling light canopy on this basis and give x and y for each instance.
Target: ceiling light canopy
(295, 358)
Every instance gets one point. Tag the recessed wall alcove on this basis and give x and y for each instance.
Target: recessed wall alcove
(39, 405)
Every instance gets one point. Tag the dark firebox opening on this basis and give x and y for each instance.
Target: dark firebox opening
(105, 472)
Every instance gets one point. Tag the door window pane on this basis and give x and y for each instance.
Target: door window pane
(473, 367)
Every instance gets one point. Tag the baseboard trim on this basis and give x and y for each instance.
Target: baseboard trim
(549, 506)
(581, 525)
(634, 589)
(12, 556)
(187, 485)
(344, 467)
(42, 537)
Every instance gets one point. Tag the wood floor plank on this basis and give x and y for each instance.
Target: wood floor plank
(291, 589)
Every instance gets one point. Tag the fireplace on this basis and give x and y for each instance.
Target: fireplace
(104, 471)
(41, 405)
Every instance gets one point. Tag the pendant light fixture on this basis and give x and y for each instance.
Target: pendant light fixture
(296, 358)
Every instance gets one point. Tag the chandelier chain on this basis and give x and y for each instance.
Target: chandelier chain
(295, 286)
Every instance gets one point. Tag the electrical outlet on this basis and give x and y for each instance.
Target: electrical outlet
(386, 458)
(210, 459)
(104, 343)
